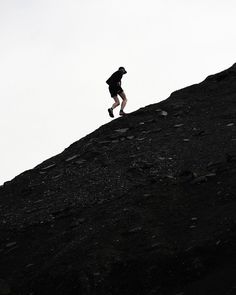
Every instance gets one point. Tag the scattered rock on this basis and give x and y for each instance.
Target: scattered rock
(163, 113)
(147, 195)
(9, 245)
(178, 125)
(49, 167)
(210, 175)
(29, 265)
(178, 114)
(161, 158)
(199, 132)
(38, 201)
(216, 167)
(135, 229)
(186, 175)
(71, 158)
(97, 274)
(122, 130)
(115, 136)
(194, 218)
(170, 176)
(155, 245)
(200, 179)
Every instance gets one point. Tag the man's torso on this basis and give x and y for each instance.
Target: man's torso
(115, 79)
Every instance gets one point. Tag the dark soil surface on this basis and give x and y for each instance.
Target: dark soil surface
(143, 205)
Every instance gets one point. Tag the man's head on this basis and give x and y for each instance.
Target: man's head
(122, 69)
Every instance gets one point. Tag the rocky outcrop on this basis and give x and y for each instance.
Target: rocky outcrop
(143, 205)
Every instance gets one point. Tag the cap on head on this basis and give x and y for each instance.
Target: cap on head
(122, 69)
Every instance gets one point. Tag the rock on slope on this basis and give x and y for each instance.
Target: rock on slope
(143, 205)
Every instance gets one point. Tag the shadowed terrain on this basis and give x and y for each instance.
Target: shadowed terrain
(143, 205)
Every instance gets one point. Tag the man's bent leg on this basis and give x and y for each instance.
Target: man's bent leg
(116, 103)
(124, 100)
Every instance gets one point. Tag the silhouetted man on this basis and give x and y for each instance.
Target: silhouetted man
(115, 89)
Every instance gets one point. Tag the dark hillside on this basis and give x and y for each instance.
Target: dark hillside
(143, 205)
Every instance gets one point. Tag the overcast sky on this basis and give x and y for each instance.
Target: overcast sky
(55, 56)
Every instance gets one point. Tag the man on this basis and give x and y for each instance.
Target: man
(115, 89)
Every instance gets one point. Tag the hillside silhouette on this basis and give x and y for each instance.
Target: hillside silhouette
(143, 205)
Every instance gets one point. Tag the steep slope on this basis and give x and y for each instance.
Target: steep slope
(143, 205)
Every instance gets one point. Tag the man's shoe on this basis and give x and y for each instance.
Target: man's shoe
(122, 113)
(110, 111)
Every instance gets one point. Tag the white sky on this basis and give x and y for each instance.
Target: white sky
(55, 56)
